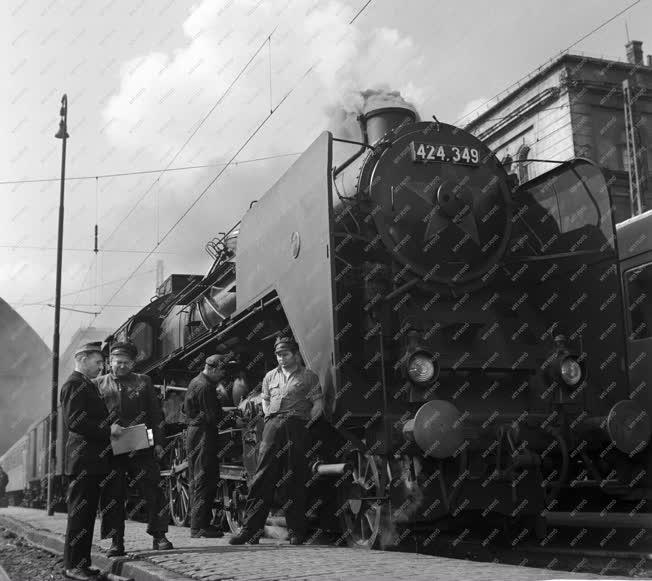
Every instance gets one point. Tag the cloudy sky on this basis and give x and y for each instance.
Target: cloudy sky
(146, 83)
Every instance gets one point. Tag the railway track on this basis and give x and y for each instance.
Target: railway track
(614, 544)
(603, 543)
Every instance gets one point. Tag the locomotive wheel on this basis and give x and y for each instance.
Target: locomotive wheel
(179, 495)
(234, 496)
(361, 514)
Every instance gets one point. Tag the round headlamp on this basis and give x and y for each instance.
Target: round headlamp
(422, 368)
(571, 371)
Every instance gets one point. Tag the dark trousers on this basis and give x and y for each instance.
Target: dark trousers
(203, 474)
(141, 471)
(285, 442)
(83, 498)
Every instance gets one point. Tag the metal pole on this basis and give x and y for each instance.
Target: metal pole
(63, 135)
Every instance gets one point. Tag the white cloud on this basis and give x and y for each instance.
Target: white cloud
(162, 96)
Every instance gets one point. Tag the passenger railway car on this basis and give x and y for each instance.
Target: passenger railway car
(14, 463)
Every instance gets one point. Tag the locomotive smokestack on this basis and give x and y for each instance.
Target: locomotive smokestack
(380, 121)
(377, 110)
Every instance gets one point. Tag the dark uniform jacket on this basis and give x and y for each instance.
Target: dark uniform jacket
(132, 400)
(89, 428)
(201, 406)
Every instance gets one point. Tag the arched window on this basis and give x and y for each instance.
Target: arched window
(523, 164)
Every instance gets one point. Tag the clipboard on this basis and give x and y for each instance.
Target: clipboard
(133, 438)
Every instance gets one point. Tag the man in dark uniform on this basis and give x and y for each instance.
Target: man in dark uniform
(131, 400)
(291, 397)
(88, 452)
(203, 412)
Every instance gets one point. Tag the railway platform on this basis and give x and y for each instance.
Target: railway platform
(213, 559)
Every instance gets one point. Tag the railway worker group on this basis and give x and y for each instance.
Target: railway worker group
(98, 408)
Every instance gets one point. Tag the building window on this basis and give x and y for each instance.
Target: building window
(523, 163)
(639, 306)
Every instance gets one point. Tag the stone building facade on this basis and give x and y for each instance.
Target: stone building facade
(574, 107)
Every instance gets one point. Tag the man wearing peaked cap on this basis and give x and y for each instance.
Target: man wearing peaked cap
(131, 400)
(204, 413)
(126, 349)
(92, 347)
(88, 454)
(291, 397)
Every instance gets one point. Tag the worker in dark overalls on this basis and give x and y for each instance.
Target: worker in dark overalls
(203, 413)
(291, 397)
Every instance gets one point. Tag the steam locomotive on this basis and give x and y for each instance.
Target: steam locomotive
(468, 332)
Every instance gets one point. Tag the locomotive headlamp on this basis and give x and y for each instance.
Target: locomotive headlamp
(563, 366)
(570, 371)
(422, 368)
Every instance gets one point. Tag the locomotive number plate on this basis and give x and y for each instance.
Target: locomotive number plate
(435, 152)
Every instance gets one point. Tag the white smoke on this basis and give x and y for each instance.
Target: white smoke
(343, 117)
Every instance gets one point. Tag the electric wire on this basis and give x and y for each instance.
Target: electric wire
(143, 172)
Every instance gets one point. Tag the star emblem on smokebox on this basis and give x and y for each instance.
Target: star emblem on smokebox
(451, 203)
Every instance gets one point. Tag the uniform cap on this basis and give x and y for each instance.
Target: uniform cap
(124, 348)
(285, 342)
(217, 360)
(94, 347)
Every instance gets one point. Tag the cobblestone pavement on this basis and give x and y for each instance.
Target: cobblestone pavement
(213, 559)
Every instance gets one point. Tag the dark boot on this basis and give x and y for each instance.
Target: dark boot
(117, 548)
(209, 533)
(244, 536)
(80, 574)
(161, 543)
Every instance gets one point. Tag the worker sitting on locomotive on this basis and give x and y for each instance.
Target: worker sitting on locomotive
(204, 413)
(88, 453)
(291, 397)
(131, 400)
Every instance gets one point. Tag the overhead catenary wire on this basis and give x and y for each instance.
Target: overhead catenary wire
(360, 12)
(67, 294)
(100, 251)
(143, 172)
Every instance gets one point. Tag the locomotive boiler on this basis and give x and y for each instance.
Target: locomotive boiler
(467, 331)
